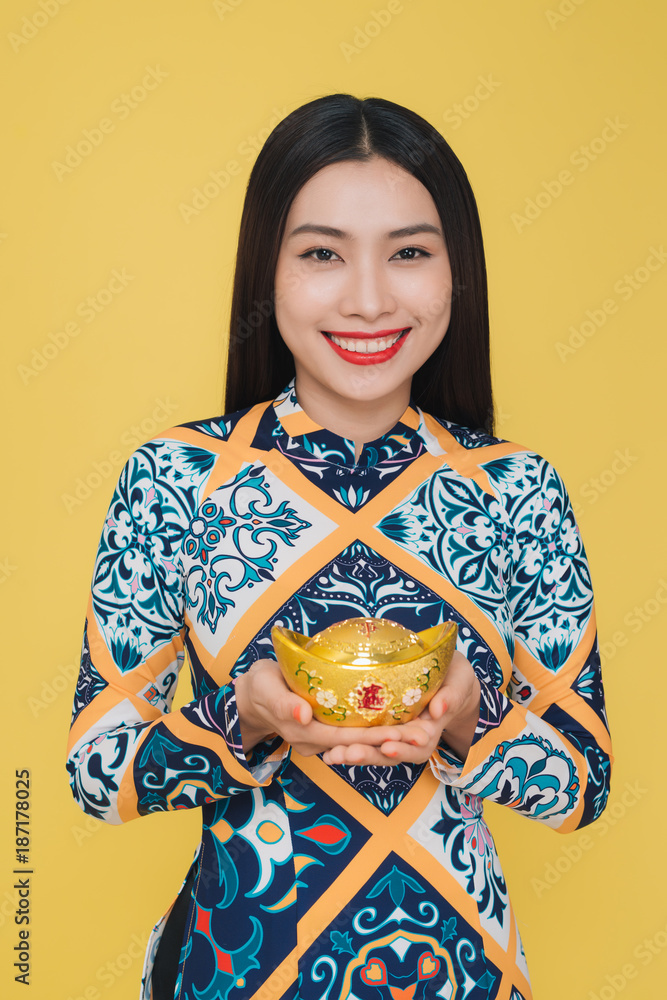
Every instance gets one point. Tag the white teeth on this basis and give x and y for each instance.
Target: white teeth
(356, 344)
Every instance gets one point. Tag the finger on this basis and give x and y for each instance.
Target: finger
(414, 734)
(354, 754)
(450, 695)
(392, 752)
(367, 736)
(301, 711)
(335, 755)
(288, 706)
(438, 704)
(280, 700)
(417, 732)
(404, 753)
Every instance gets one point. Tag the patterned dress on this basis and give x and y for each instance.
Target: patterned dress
(336, 882)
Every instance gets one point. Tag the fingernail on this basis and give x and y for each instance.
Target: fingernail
(295, 713)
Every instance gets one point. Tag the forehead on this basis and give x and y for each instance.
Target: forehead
(362, 191)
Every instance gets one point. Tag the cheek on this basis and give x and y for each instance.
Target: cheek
(291, 316)
(438, 311)
(436, 303)
(428, 297)
(287, 282)
(301, 307)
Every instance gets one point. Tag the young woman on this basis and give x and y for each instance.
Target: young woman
(354, 474)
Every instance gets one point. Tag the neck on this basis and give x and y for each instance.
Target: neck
(357, 420)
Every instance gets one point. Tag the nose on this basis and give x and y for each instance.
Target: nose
(367, 292)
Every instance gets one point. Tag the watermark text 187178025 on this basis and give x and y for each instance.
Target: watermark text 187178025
(23, 876)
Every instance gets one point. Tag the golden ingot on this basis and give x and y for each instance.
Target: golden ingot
(365, 671)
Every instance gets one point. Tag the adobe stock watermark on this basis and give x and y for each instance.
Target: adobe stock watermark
(248, 325)
(395, 174)
(219, 180)
(107, 975)
(625, 288)
(364, 34)
(644, 952)
(121, 108)
(88, 309)
(7, 569)
(89, 828)
(565, 10)
(33, 24)
(59, 683)
(104, 468)
(223, 7)
(635, 620)
(501, 416)
(597, 486)
(571, 854)
(581, 158)
(462, 110)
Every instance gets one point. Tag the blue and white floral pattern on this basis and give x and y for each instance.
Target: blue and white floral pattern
(90, 682)
(532, 775)
(460, 531)
(137, 581)
(453, 830)
(232, 543)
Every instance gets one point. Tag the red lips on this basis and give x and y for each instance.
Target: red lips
(378, 357)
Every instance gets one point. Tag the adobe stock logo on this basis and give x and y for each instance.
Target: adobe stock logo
(461, 111)
(581, 158)
(625, 288)
(597, 486)
(106, 466)
(31, 26)
(222, 7)
(88, 309)
(572, 853)
(565, 9)
(365, 33)
(122, 107)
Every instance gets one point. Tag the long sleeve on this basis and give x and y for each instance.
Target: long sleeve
(542, 747)
(128, 753)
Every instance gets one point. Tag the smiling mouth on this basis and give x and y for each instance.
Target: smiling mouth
(365, 348)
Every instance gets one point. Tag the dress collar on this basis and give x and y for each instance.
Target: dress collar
(333, 448)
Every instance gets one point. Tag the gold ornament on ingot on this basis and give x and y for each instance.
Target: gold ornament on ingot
(365, 671)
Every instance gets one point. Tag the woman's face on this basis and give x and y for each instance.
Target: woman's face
(363, 284)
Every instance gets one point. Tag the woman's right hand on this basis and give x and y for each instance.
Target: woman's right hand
(267, 706)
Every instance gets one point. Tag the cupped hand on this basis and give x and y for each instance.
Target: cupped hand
(453, 709)
(268, 707)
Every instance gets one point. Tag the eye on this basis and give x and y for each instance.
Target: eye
(413, 253)
(311, 255)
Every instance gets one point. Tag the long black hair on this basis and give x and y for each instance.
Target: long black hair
(455, 382)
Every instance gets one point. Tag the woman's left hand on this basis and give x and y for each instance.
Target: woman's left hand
(454, 708)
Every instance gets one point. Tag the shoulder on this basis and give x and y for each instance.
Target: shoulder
(191, 440)
(503, 460)
(218, 428)
(467, 437)
(526, 483)
(174, 465)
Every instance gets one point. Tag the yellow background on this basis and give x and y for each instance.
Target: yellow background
(223, 74)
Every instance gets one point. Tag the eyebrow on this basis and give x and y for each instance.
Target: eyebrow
(339, 234)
